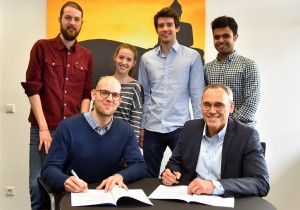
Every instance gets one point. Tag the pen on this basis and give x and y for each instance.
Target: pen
(174, 174)
(74, 174)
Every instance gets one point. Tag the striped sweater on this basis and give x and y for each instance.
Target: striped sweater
(131, 107)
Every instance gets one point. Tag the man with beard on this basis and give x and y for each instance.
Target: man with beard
(93, 144)
(58, 85)
(172, 75)
(216, 154)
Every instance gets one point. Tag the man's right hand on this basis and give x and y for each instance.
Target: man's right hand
(46, 139)
(72, 184)
(169, 178)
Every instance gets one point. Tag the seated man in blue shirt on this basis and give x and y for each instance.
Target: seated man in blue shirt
(93, 144)
(218, 155)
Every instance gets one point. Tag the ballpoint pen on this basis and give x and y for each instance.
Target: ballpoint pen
(74, 174)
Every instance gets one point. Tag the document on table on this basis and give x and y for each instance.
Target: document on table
(180, 192)
(99, 197)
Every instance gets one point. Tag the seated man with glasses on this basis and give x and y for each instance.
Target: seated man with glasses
(92, 144)
(218, 155)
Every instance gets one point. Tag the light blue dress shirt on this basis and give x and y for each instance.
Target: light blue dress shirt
(92, 122)
(210, 158)
(169, 83)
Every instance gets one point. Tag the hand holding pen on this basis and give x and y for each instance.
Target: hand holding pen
(170, 177)
(75, 184)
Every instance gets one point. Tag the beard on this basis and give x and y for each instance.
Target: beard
(66, 35)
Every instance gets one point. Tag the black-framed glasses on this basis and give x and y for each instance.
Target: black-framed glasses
(105, 94)
(218, 106)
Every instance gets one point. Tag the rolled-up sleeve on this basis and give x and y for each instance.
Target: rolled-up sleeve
(34, 81)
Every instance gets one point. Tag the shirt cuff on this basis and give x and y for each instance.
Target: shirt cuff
(219, 189)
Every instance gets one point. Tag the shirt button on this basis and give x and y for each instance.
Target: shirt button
(65, 104)
(53, 64)
(65, 91)
(65, 117)
(67, 78)
(68, 65)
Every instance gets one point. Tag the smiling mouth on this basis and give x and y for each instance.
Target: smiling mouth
(213, 117)
(122, 67)
(165, 35)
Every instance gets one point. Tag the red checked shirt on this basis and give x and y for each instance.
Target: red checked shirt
(62, 78)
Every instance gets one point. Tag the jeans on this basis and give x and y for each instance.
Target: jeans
(36, 160)
(154, 147)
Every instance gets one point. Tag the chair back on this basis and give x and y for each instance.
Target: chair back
(263, 144)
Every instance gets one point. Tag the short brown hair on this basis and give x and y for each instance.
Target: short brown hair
(167, 12)
(71, 4)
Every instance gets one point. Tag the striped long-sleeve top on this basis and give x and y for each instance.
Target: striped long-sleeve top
(131, 107)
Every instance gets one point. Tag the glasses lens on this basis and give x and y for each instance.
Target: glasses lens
(219, 106)
(115, 96)
(104, 93)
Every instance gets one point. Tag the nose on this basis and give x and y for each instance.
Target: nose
(109, 97)
(212, 108)
(221, 39)
(72, 21)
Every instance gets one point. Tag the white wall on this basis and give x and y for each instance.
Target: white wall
(268, 33)
(22, 23)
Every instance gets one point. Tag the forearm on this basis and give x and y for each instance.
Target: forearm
(196, 87)
(85, 105)
(246, 186)
(37, 109)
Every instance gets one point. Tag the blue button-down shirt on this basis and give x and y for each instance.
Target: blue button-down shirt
(92, 122)
(210, 158)
(169, 83)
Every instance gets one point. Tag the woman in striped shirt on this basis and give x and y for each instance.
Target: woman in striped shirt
(132, 92)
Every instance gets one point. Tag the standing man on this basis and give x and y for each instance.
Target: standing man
(237, 72)
(218, 155)
(171, 75)
(58, 85)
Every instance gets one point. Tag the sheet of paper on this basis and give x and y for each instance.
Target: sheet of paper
(137, 194)
(213, 200)
(180, 193)
(91, 197)
(170, 192)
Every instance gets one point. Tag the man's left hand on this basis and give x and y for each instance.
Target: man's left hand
(200, 186)
(111, 181)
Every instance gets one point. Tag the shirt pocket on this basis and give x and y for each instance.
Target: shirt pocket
(79, 73)
(53, 69)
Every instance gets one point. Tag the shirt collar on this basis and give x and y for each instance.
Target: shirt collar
(175, 47)
(93, 122)
(61, 45)
(220, 135)
(229, 57)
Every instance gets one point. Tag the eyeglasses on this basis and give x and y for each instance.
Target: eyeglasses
(218, 106)
(105, 94)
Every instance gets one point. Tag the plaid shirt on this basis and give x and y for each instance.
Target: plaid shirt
(242, 76)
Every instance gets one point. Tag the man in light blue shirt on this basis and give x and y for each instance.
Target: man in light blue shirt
(172, 75)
